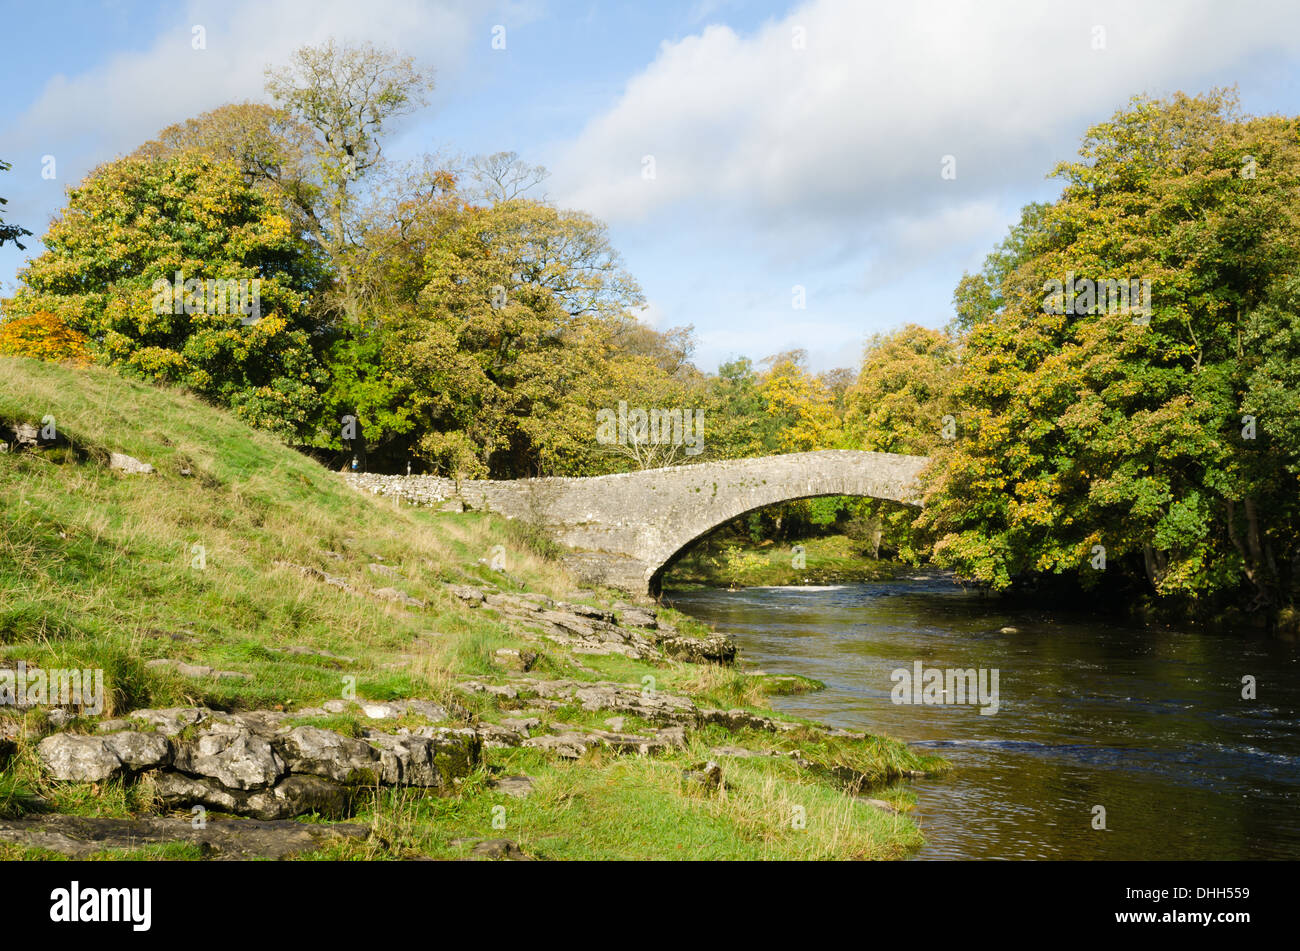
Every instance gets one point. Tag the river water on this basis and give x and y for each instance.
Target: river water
(1148, 724)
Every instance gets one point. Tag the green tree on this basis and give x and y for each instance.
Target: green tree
(1118, 428)
(130, 228)
(499, 327)
(902, 401)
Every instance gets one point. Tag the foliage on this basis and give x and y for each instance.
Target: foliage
(1100, 428)
(901, 401)
(135, 222)
(347, 96)
(10, 232)
(500, 329)
(43, 336)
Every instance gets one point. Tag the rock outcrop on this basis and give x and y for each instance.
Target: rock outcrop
(634, 631)
(255, 764)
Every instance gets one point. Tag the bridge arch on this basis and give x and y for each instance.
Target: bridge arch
(688, 540)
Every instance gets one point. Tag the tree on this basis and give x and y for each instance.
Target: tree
(800, 403)
(271, 149)
(10, 232)
(902, 392)
(503, 176)
(902, 401)
(43, 336)
(739, 425)
(499, 334)
(177, 270)
(348, 95)
(1112, 433)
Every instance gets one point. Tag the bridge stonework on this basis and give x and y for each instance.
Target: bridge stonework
(623, 530)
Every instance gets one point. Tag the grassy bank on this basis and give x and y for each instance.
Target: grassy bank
(201, 562)
(723, 561)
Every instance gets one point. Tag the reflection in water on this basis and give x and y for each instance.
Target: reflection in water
(1149, 724)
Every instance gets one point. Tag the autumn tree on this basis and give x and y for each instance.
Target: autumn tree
(43, 336)
(903, 392)
(499, 334)
(1136, 444)
(349, 96)
(901, 402)
(270, 148)
(800, 403)
(198, 229)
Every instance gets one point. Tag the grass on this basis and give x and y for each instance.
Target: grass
(100, 569)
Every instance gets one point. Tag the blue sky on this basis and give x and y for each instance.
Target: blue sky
(794, 144)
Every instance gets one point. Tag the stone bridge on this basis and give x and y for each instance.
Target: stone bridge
(623, 530)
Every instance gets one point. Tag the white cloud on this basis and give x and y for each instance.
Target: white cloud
(908, 241)
(113, 107)
(855, 125)
(652, 315)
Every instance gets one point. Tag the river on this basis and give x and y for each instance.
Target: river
(1149, 724)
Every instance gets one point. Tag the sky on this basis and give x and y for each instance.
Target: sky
(778, 175)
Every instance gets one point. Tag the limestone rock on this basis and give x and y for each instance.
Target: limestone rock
(467, 593)
(707, 776)
(237, 760)
(514, 659)
(172, 720)
(493, 849)
(879, 804)
(393, 594)
(742, 719)
(139, 751)
(569, 745)
(195, 670)
(522, 725)
(433, 761)
(292, 796)
(128, 464)
(308, 749)
(69, 757)
(637, 617)
(716, 649)
(300, 651)
(516, 786)
(498, 736)
(80, 837)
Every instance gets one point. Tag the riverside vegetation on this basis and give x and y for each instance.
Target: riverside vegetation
(558, 724)
(727, 560)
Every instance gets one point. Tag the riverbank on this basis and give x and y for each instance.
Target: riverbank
(722, 562)
(274, 644)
